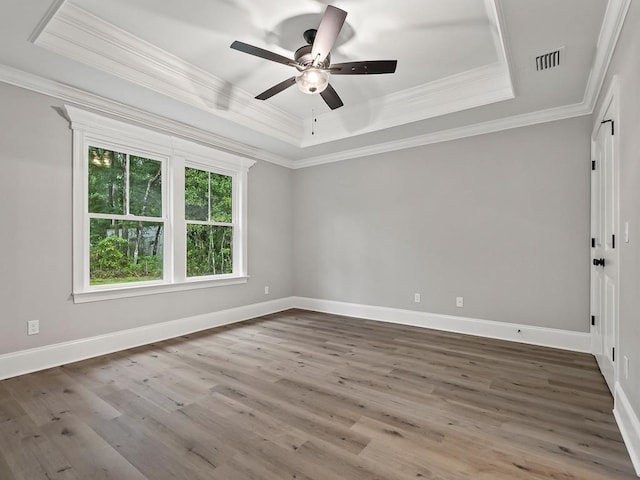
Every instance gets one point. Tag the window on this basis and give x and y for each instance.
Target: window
(126, 217)
(209, 220)
(153, 213)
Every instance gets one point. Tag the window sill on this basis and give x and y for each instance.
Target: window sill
(126, 291)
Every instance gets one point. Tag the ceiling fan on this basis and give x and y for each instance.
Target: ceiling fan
(313, 61)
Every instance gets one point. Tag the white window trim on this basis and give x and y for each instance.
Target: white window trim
(175, 153)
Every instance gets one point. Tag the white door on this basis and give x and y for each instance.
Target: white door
(605, 244)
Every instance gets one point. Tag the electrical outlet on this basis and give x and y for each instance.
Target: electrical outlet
(416, 297)
(33, 327)
(459, 302)
(266, 289)
(626, 367)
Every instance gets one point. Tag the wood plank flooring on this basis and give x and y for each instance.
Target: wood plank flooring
(303, 395)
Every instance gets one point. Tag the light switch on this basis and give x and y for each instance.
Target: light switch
(626, 232)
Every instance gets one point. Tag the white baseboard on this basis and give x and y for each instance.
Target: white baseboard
(27, 361)
(547, 337)
(629, 425)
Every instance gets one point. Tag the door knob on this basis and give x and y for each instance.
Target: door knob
(598, 261)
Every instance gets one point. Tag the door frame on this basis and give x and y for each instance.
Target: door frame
(611, 107)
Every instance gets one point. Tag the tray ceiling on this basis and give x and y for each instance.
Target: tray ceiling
(460, 63)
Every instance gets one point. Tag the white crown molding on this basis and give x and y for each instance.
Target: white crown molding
(94, 123)
(86, 38)
(77, 34)
(507, 123)
(133, 115)
(473, 88)
(494, 10)
(629, 424)
(27, 361)
(610, 31)
(51, 12)
(136, 116)
(547, 337)
(607, 41)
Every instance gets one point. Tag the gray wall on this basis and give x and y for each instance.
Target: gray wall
(626, 65)
(500, 219)
(35, 238)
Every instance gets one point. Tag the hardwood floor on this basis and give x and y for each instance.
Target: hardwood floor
(303, 395)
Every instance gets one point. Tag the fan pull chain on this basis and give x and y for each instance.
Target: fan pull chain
(313, 122)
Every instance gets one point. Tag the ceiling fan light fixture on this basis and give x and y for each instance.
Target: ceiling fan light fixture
(313, 80)
(313, 61)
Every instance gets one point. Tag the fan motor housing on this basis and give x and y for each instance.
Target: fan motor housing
(303, 57)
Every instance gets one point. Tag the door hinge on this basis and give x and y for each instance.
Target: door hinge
(593, 243)
(613, 241)
(593, 319)
(613, 354)
(613, 128)
(593, 164)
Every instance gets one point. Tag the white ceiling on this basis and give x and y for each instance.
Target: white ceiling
(464, 66)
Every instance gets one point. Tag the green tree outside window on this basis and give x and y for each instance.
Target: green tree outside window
(209, 218)
(125, 217)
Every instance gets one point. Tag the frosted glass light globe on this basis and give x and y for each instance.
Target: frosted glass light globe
(313, 80)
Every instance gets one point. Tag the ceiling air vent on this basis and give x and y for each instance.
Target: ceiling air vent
(549, 60)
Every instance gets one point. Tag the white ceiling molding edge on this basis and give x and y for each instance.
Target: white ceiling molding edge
(53, 9)
(500, 124)
(609, 33)
(474, 88)
(133, 115)
(81, 36)
(611, 27)
(77, 34)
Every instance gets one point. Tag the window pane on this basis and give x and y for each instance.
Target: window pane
(221, 205)
(145, 187)
(124, 252)
(106, 181)
(209, 250)
(196, 194)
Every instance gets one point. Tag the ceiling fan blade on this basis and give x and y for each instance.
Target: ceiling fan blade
(276, 89)
(364, 68)
(262, 53)
(331, 98)
(328, 32)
